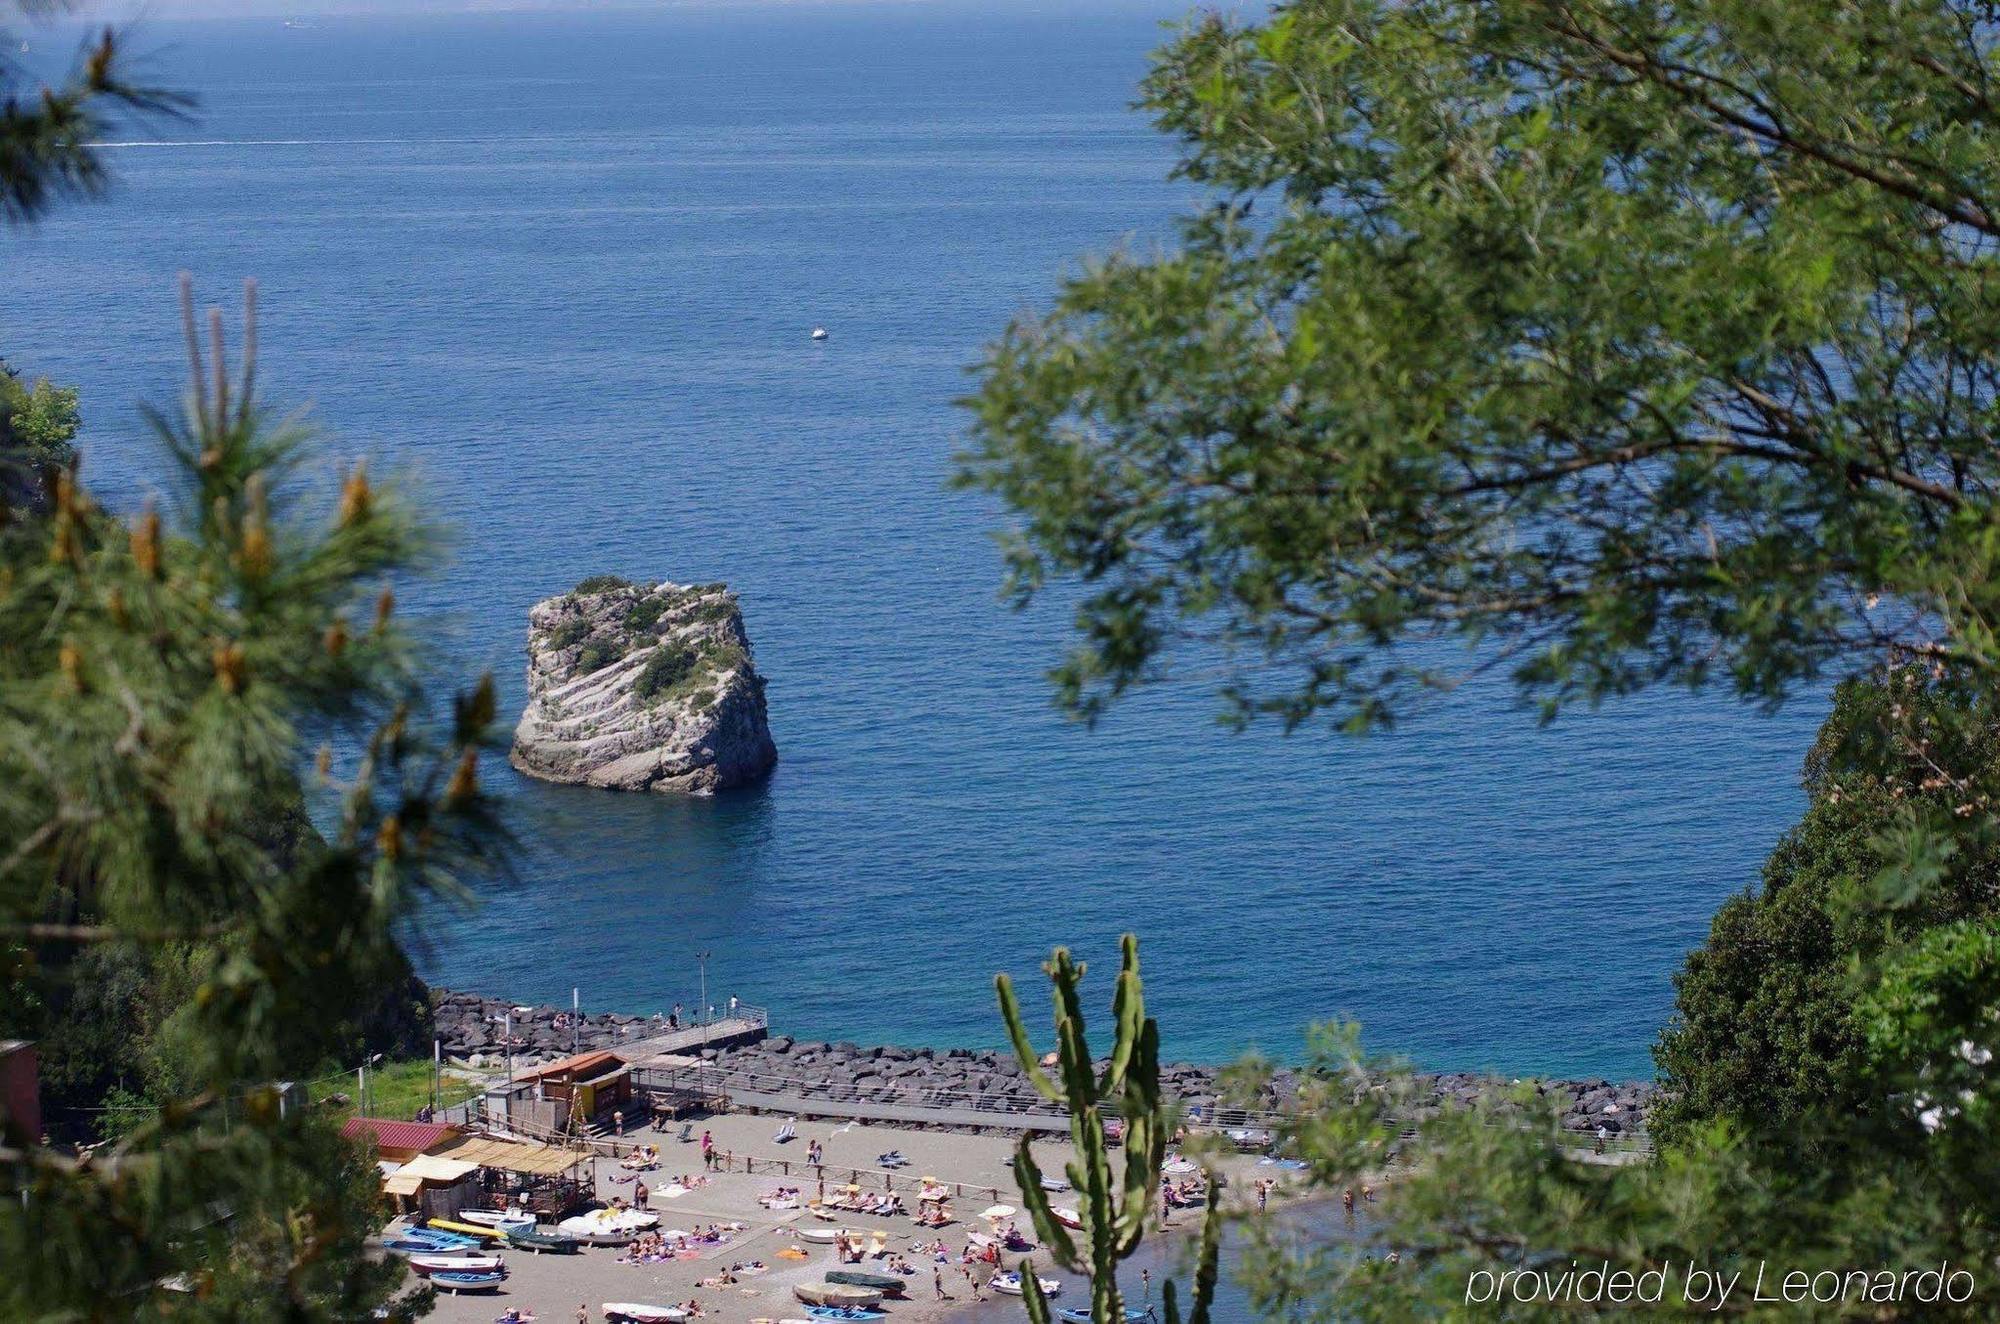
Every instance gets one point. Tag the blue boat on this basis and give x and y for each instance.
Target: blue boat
(466, 1282)
(415, 1245)
(1082, 1315)
(843, 1312)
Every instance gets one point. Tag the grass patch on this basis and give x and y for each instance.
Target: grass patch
(568, 633)
(600, 583)
(397, 1090)
(598, 654)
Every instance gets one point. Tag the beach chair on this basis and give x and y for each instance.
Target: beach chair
(786, 1134)
(687, 1133)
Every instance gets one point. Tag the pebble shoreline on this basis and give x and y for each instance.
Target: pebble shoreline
(470, 1027)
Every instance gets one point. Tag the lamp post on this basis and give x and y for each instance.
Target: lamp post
(702, 958)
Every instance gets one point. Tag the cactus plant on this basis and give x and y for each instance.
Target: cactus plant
(1112, 1207)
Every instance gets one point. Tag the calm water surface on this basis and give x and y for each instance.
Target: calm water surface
(562, 270)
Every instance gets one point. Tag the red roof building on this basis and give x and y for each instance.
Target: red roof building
(399, 1142)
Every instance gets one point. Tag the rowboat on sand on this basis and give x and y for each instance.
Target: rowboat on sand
(836, 1294)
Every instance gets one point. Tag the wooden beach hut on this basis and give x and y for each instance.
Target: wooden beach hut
(567, 1095)
(548, 1179)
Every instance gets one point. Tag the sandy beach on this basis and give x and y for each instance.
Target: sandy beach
(553, 1286)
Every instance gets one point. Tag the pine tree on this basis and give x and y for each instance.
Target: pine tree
(164, 678)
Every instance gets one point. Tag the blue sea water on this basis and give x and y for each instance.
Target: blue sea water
(561, 270)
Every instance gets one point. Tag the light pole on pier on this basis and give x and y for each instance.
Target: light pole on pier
(701, 958)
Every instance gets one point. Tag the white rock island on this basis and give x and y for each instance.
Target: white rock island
(638, 687)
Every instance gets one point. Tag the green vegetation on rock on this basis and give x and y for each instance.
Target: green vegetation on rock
(599, 654)
(667, 672)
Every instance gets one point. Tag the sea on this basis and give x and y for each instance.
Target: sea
(558, 271)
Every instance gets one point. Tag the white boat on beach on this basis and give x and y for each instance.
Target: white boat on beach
(609, 1226)
(1009, 1284)
(636, 1312)
(826, 1236)
(1066, 1216)
(837, 1294)
(429, 1264)
(495, 1218)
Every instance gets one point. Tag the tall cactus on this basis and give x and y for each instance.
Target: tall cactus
(1114, 1220)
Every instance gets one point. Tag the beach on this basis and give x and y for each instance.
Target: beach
(552, 1286)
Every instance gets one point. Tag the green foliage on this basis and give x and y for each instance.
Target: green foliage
(1497, 1188)
(1610, 344)
(48, 134)
(599, 654)
(1764, 1034)
(157, 681)
(569, 633)
(601, 584)
(38, 423)
(1615, 343)
(667, 672)
(645, 614)
(1113, 1207)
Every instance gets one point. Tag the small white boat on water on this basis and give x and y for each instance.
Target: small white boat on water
(819, 333)
(1009, 1284)
(637, 1312)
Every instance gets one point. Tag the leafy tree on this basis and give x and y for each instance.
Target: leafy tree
(163, 680)
(1618, 342)
(1612, 343)
(38, 422)
(1765, 1032)
(47, 132)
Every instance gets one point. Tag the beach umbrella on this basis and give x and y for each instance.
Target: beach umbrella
(998, 1211)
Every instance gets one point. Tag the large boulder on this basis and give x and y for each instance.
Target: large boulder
(637, 687)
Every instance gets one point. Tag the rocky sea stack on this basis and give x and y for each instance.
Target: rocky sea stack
(640, 687)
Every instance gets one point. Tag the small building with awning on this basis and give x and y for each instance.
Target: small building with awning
(434, 1186)
(547, 1179)
(563, 1096)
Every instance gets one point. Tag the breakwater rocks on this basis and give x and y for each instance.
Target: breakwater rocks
(472, 1028)
(479, 1030)
(991, 1079)
(643, 687)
